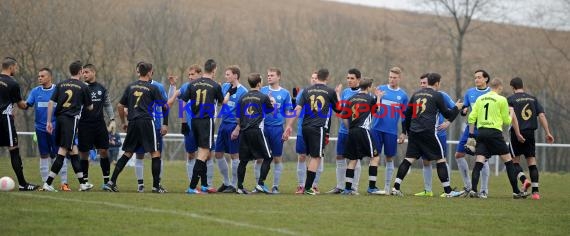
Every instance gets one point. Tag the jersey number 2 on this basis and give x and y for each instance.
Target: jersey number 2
(67, 102)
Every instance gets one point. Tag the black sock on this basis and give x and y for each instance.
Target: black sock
(204, 174)
(519, 172)
(17, 166)
(55, 167)
(310, 179)
(402, 172)
(75, 163)
(533, 172)
(156, 172)
(475, 175)
(105, 168)
(118, 168)
(241, 173)
(140, 181)
(265, 167)
(512, 176)
(349, 178)
(372, 174)
(443, 176)
(196, 174)
(85, 168)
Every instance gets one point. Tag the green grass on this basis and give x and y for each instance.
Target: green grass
(175, 213)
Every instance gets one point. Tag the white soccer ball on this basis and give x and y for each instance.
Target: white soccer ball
(7, 184)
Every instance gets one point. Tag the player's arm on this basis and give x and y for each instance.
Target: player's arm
(49, 127)
(121, 108)
(17, 95)
(466, 105)
(472, 118)
(543, 122)
(335, 103)
(87, 98)
(515, 124)
(295, 115)
(449, 114)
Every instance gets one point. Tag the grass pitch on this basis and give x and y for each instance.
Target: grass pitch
(176, 213)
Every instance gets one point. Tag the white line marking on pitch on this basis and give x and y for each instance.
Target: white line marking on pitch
(154, 210)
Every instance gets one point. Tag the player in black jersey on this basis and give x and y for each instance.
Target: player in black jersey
(71, 97)
(419, 125)
(92, 131)
(358, 119)
(10, 94)
(141, 99)
(315, 106)
(250, 115)
(527, 109)
(203, 96)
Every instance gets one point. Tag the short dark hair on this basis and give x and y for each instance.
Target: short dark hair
(365, 83)
(485, 75)
(90, 67)
(254, 79)
(48, 70)
(356, 72)
(210, 66)
(234, 69)
(323, 74)
(424, 76)
(7, 62)
(144, 68)
(517, 83)
(433, 78)
(75, 67)
(276, 70)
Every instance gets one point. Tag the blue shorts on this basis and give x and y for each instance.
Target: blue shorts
(388, 141)
(190, 143)
(46, 143)
(224, 142)
(341, 144)
(140, 149)
(274, 136)
(300, 147)
(463, 140)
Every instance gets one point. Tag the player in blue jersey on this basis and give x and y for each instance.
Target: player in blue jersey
(442, 125)
(481, 78)
(194, 72)
(274, 124)
(160, 131)
(385, 124)
(352, 79)
(228, 132)
(39, 98)
(300, 148)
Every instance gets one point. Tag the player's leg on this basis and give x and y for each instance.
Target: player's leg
(318, 176)
(301, 164)
(413, 152)
(485, 174)
(315, 140)
(340, 164)
(203, 132)
(52, 147)
(221, 148)
(349, 177)
(390, 142)
(139, 168)
(244, 155)
(191, 148)
(373, 175)
(428, 175)
(462, 162)
(9, 138)
(276, 144)
(41, 137)
(533, 172)
(511, 173)
(130, 144)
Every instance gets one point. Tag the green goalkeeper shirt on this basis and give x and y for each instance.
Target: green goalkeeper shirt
(491, 110)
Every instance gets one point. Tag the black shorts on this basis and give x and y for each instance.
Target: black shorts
(203, 130)
(91, 136)
(314, 138)
(65, 131)
(359, 144)
(424, 144)
(528, 148)
(253, 145)
(8, 134)
(490, 142)
(140, 133)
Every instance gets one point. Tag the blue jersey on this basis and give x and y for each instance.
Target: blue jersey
(395, 102)
(449, 103)
(300, 122)
(472, 94)
(282, 105)
(228, 110)
(346, 94)
(157, 121)
(39, 99)
(183, 89)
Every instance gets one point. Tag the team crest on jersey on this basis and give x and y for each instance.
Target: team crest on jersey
(234, 96)
(99, 92)
(279, 97)
(399, 97)
(375, 152)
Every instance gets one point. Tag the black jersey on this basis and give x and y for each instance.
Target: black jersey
(100, 99)
(361, 105)
(204, 95)
(71, 95)
(9, 94)
(526, 108)
(317, 102)
(252, 108)
(423, 109)
(141, 97)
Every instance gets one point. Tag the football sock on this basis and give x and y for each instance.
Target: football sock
(372, 175)
(210, 172)
(301, 172)
(196, 173)
(235, 165)
(156, 172)
(84, 168)
(389, 173)
(443, 175)
(475, 175)
(427, 171)
(44, 168)
(105, 168)
(464, 171)
(512, 176)
(265, 166)
(533, 172)
(76, 165)
(310, 179)
(348, 179)
(139, 168)
(520, 172)
(318, 174)
(256, 170)
(485, 172)
(241, 173)
(402, 172)
(17, 166)
(118, 168)
(55, 168)
(340, 172)
(357, 171)
(190, 168)
(277, 173)
(223, 167)
(63, 171)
